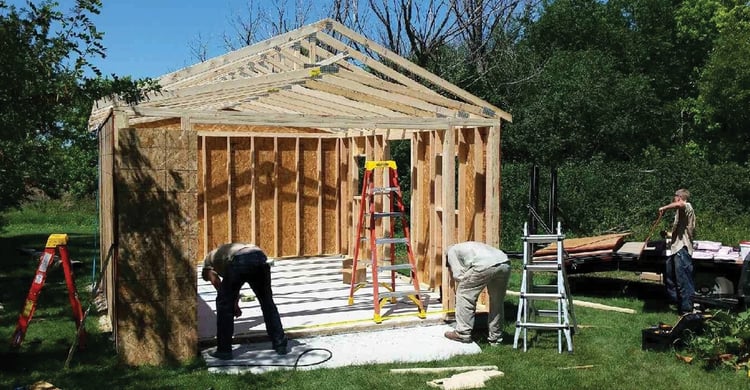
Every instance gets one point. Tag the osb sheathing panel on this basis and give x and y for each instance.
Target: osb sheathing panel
(242, 190)
(157, 223)
(217, 197)
(283, 130)
(265, 193)
(287, 177)
(170, 123)
(142, 332)
(331, 225)
(311, 175)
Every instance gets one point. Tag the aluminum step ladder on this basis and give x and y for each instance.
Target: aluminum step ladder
(560, 318)
(367, 231)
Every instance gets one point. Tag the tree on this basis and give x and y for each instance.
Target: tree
(47, 88)
(721, 109)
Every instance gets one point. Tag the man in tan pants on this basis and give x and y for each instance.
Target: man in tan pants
(474, 266)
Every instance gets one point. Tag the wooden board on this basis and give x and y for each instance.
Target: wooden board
(585, 244)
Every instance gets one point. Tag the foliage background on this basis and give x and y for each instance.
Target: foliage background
(627, 100)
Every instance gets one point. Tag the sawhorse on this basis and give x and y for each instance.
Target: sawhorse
(59, 243)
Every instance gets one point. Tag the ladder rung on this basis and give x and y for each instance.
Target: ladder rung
(544, 288)
(543, 238)
(543, 267)
(388, 214)
(384, 190)
(542, 325)
(548, 312)
(541, 295)
(391, 240)
(394, 267)
(397, 294)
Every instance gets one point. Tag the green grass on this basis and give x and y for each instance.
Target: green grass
(609, 341)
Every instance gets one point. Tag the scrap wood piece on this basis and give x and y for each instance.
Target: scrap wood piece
(430, 370)
(465, 380)
(583, 367)
(592, 305)
(585, 244)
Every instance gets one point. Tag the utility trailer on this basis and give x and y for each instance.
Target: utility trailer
(718, 283)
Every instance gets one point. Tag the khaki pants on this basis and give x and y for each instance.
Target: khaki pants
(496, 279)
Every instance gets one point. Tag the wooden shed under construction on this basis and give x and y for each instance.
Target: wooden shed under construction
(265, 145)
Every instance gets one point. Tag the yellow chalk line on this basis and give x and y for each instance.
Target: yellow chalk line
(348, 322)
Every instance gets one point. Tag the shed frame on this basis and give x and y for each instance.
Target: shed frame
(263, 145)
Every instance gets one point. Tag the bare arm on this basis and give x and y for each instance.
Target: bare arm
(215, 280)
(678, 204)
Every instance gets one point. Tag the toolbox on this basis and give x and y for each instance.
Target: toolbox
(662, 337)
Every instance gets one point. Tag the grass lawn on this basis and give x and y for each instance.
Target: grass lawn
(609, 342)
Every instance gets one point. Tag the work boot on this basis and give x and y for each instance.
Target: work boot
(281, 348)
(452, 335)
(221, 355)
(495, 343)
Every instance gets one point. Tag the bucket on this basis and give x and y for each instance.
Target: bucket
(744, 249)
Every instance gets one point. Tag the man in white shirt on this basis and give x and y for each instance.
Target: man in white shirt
(678, 275)
(474, 266)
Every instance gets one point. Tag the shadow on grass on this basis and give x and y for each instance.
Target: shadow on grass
(652, 294)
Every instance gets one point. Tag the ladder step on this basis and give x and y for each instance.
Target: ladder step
(397, 294)
(394, 267)
(391, 240)
(543, 267)
(542, 325)
(544, 289)
(543, 238)
(384, 190)
(547, 312)
(541, 295)
(388, 214)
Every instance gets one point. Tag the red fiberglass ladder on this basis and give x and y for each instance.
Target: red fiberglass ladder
(389, 265)
(55, 242)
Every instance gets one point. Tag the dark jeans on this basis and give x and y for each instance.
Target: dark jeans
(248, 268)
(678, 278)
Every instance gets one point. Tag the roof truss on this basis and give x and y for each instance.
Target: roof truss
(315, 76)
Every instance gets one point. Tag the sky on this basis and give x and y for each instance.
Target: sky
(150, 38)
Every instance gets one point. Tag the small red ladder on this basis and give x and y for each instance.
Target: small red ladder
(395, 209)
(55, 242)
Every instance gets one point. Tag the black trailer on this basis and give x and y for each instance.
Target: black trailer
(718, 283)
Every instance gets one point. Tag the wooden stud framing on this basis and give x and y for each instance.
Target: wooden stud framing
(280, 134)
(449, 209)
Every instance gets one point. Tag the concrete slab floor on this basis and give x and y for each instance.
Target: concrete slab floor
(313, 300)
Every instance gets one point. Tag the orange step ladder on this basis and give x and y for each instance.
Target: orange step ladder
(59, 243)
(368, 215)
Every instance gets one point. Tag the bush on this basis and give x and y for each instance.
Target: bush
(725, 341)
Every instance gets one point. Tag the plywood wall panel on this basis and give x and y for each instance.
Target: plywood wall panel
(330, 223)
(217, 197)
(309, 195)
(242, 189)
(288, 187)
(265, 182)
